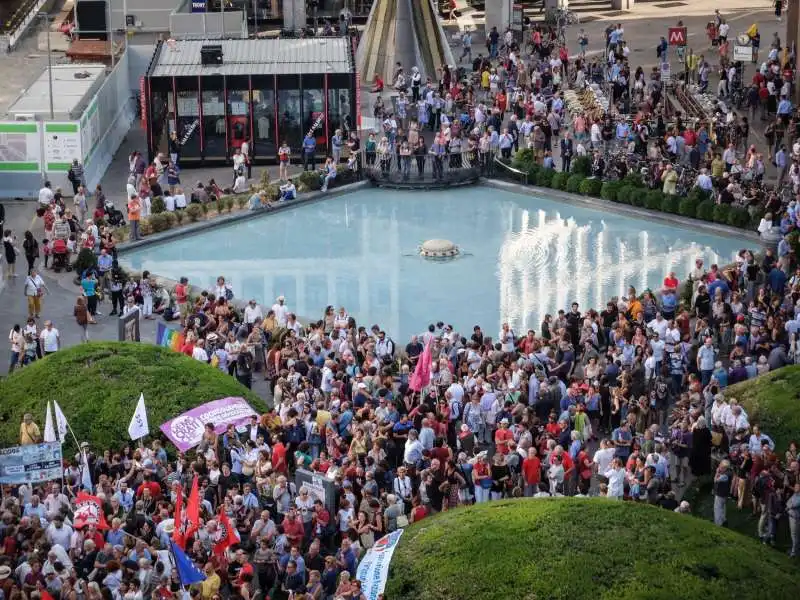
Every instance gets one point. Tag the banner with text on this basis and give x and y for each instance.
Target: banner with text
(20, 147)
(31, 463)
(186, 431)
(373, 570)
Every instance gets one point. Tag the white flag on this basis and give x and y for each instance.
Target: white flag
(138, 427)
(61, 422)
(86, 476)
(49, 431)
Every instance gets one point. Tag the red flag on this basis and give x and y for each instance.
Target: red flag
(421, 376)
(89, 511)
(192, 517)
(178, 533)
(187, 522)
(226, 534)
(44, 594)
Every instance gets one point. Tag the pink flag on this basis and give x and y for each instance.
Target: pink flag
(422, 373)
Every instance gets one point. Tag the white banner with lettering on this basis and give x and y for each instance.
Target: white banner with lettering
(373, 570)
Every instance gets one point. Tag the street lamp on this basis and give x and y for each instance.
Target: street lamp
(46, 18)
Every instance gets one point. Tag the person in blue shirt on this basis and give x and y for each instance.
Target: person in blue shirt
(309, 151)
(288, 191)
(328, 173)
(89, 285)
(777, 280)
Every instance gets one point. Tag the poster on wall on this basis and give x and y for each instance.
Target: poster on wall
(62, 145)
(31, 463)
(90, 131)
(20, 147)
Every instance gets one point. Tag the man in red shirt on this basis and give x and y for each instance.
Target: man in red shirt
(532, 472)
(293, 528)
(503, 437)
(155, 488)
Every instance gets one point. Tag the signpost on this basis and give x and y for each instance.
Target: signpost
(677, 36)
(742, 53)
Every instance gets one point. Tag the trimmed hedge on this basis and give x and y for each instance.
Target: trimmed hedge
(580, 549)
(721, 212)
(559, 181)
(738, 217)
(573, 183)
(670, 204)
(98, 384)
(610, 190)
(544, 177)
(157, 205)
(590, 186)
(705, 210)
(581, 165)
(688, 207)
(624, 194)
(653, 199)
(639, 197)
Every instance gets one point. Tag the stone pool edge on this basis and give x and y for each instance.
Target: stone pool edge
(242, 215)
(627, 210)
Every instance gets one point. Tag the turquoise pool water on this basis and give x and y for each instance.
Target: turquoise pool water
(526, 256)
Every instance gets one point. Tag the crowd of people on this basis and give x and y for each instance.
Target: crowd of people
(627, 402)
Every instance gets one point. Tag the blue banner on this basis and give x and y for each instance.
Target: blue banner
(32, 463)
(198, 6)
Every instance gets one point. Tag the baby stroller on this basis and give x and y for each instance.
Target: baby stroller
(113, 214)
(60, 256)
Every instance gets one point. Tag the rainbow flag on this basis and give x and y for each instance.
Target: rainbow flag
(169, 338)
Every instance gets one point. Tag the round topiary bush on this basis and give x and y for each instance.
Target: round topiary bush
(638, 196)
(688, 208)
(98, 384)
(721, 212)
(670, 204)
(590, 186)
(544, 177)
(559, 181)
(624, 194)
(610, 190)
(161, 221)
(653, 199)
(574, 183)
(738, 217)
(308, 181)
(515, 549)
(698, 195)
(581, 165)
(195, 211)
(633, 179)
(523, 160)
(705, 210)
(157, 205)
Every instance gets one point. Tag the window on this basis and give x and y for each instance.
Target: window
(264, 142)
(238, 118)
(213, 118)
(290, 116)
(314, 110)
(340, 106)
(188, 118)
(159, 114)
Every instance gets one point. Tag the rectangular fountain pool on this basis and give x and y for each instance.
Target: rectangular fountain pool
(522, 257)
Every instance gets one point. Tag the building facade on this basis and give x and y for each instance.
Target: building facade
(268, 91)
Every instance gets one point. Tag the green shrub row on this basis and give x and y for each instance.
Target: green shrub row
(631, 190)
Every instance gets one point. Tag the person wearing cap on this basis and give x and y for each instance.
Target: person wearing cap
(503, 437)
(281, 311)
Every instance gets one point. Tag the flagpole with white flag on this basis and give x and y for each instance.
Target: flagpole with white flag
(49, 430)
(62, 425)
(138, 427)
(86, 477)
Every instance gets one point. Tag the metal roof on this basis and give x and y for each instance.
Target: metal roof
(74, 85)
(255, 57)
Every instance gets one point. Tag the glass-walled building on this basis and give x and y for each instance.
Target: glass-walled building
(266, 91)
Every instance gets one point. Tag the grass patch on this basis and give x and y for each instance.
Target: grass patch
(772, 401)
(98, 384)
(575, 549)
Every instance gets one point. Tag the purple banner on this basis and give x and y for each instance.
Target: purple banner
(186, 431)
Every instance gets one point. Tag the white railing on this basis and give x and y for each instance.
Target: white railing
(13, 37)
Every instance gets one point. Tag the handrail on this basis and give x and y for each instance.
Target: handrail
(511, 169)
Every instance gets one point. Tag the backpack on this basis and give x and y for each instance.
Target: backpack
(228, 294)
(760, 485)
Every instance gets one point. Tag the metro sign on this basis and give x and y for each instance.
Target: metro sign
(677, 36)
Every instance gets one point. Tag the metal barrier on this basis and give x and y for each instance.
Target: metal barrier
(522, 174)
(426, 170)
